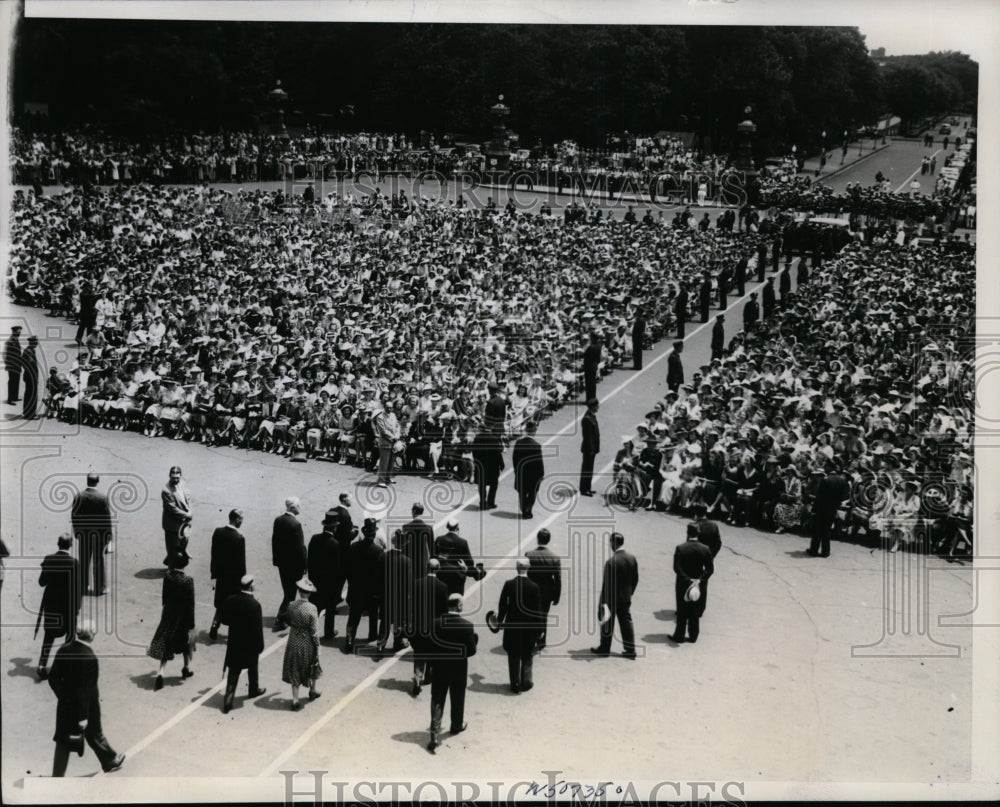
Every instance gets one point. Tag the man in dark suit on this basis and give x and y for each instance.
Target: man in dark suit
(288, 553)
(453, 552)
(455, 642)
(418, 540)
(692, 561)
(675, 368)
(327, 569)
(590, 447)
(364, 583)
(621, 576)
(397, 584)
(831, 493)
(741, 275)
(529, 468)
(776, 250)
(12, 364)
(61, 599)
(638, 338)
(228, 564)
(705, 296)
(519, 614)
(74, 678)
(495, 413)
(680, 311)
(785, 286)
(591, 365)
(430, 600)
(767, 301)
(751, 313)
(723, 286)
(93, 527)
(487, 451)
(719, 336)
(345, 534)
(545, 571)
(176, 513)
(708, 530)
(243, 614)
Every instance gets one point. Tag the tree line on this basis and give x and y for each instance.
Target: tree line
(579, 82)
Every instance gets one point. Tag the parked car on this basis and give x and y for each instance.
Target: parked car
(945, 129)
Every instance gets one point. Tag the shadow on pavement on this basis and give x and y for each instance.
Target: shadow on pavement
(506, 514)
(148, 680)
(665, 614)
(479, 685)
(656, 638)
(24, 668)
(395, 684)
(797, 553)
(280, 703)
(415, 737)
(151, 574)
(585, 655)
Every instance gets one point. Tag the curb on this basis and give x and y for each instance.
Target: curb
(846, 166)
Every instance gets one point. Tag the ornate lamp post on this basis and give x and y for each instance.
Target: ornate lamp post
(498, 148)
(278, 100)
(745, 132)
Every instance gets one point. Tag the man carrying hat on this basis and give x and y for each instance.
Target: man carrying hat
(60, 578)
(621, 577)
(832, 491)
(519, 613)
(244, 616)
(177, 516)
(228, 564)
(455, 642)
(692, 564)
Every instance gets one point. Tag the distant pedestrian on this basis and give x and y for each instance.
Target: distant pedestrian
(621, 577)
(93, 527)
(768, 299)
(301, 666)
(705, 296)
(487, 452)
(638, 338)
(529, 468)
(590, 447)
(455, 642)
(60, 579)
(29, 370)
(545, 571)
(12, 364)
(245, 642)
(832, 491)
(228, 565)
(73, 679)
(675, 368)
(175, 633)
(751, 313)
(719, 336)
(692, 566)
(591, 365)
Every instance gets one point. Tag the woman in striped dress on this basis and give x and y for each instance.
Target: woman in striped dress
(301, 663)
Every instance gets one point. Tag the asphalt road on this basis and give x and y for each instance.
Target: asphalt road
(807, 670)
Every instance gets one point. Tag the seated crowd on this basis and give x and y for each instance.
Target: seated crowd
(864, 371)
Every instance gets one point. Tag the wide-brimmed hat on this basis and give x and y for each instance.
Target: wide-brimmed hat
(492, 622)
(306, 585)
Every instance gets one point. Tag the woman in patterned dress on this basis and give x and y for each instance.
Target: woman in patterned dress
(301, 664)
(174, 633)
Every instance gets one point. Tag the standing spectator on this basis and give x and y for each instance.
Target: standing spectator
(327, 562)
(832, 491)
(487, 451)
(545, 571)
(345, 533)
(243, 614)
(519, 614)
(228, 565)
(621, 576)
(418, 540)
(638, 338)
(387, 434)
(397, 581)
(87, 314)
(740, 273)
(288, 553)
(680, 314)
(768, 299)
(455, 642)
(364, 568)
(590, 447)
(73, 679)
(708, 530)
(12, 364)
(591, 365)
(453, 552)
(29, 369)
(529, 468)
(495, 412)
(785, 285)
(301, 663)
(429, 601)
(60, 579)
(705, 296)
(176, 513)
(751, 313)
(718, 336)
(692, 564)
(93, 529)
(675, 368)
(175, 634)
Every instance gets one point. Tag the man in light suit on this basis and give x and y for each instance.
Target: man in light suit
(519, 614)
(621, 577)
(545, 571)
(78, 715)
(529, 468)
(176, 513)
(228, 564)
(590, 447)
(288, 553)
(93, 528)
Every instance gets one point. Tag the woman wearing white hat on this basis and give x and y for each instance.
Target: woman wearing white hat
(301, 662)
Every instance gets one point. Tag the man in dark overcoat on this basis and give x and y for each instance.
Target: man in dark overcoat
(529, 468)
(397, 584)
(228, 564)
(545, 571)
(327, 567)
(675, 368)
(364, 583)
(60, 579)
(93, 528)
(455, 642)
(692, 561)
(621, 577)
(288, 553)
(487, 451)
(519, 614)
(590, 446)
(244, 616)
(430, 600)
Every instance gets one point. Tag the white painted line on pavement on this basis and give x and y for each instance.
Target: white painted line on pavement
(911, 176)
